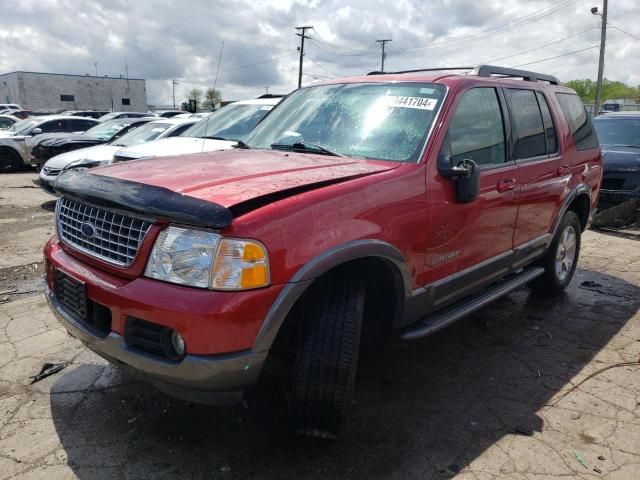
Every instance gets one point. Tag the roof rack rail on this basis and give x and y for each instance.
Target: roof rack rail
(489, 70)
(486, 71)
(377, 72)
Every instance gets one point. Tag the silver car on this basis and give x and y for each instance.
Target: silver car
(16, 141)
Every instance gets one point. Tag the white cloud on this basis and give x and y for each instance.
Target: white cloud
(163, 39)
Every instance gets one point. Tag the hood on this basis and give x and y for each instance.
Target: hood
(101, 153)
(4, 134)
(174, 146)
(236, 176)
(621, 159)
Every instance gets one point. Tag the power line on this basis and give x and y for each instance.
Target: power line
(557, 56)
(322, 68)
(553, 42)
(340, 49)
(321, 46)
(620, 30)
(522, 21)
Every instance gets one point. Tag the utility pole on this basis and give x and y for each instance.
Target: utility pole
(382, 43)
(302, 37)
(603, 40)
(173, 85)
(95, 64)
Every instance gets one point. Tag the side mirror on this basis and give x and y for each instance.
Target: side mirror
(36, 131)
(466, 175)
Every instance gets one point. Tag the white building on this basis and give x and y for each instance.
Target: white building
(33, 91)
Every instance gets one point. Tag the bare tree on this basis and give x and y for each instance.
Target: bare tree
(195, 95)
(212, 98)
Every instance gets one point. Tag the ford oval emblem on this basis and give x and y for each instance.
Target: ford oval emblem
(88, 230)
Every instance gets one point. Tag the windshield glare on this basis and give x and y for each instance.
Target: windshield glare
(22, 126)
(106, 130)
(618, 132)
(386, 121)
(232, 122)
(142, 134)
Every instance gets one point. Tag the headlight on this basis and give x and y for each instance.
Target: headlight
(207, 260)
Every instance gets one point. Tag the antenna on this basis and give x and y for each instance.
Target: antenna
(215, 82)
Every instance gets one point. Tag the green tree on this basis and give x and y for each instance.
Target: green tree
(611, 89)
(212, 98)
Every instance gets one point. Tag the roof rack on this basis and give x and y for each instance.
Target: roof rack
(487, 71)
(377, 72)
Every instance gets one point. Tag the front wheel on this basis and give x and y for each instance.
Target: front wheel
(10, 161)
(325, 366)
(561, 259)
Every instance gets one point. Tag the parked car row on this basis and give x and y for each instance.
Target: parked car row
(135, 138)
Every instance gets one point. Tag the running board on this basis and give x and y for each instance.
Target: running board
(446, 317)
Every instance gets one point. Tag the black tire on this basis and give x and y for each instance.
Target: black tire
(325, 365)
(553, 281)
(10, 161)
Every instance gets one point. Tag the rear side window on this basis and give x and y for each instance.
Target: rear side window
(584, 135)
(54, 126)
(81, 125)
(528, 127)
(549, 130)
(476, 131)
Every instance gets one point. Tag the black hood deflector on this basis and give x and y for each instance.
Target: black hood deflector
(142, 199)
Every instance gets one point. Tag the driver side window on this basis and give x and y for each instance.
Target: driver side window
(476, 130)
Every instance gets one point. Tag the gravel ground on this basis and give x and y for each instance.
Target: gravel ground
(498, 395)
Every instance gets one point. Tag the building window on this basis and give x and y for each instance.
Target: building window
(67, 98)
(126, 101)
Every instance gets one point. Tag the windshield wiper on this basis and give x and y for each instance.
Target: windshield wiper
(242, 145)
(627, 146)
(305, 147)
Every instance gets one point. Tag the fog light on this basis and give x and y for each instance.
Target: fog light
(177, 342)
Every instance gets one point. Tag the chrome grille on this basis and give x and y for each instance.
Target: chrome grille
(51, 172)
(100, 233)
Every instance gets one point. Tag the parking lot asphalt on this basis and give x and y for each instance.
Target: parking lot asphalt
(520, 390)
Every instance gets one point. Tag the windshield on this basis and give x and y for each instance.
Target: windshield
(106, 130)
(142, 134)
(387, 121)
(23, 126)
(621, 132)
(232, 122)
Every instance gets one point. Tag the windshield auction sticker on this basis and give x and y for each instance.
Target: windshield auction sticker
(411, 102)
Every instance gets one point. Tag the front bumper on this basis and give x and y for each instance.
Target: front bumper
(46, 184)
(208, 379)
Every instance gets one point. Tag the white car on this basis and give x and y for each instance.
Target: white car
(219, 131)
(16, 141)
(103, 154)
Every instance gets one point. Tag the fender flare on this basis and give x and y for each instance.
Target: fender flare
(580, 189)
(315, 268)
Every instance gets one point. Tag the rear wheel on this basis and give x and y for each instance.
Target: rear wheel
(325, 365)
(561, 259)
(10, 161)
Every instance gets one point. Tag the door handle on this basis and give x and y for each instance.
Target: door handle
(506, 185)
(563, 169)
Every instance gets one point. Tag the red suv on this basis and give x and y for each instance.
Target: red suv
(383, 203)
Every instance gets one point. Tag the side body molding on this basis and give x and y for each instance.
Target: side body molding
(321, 264)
